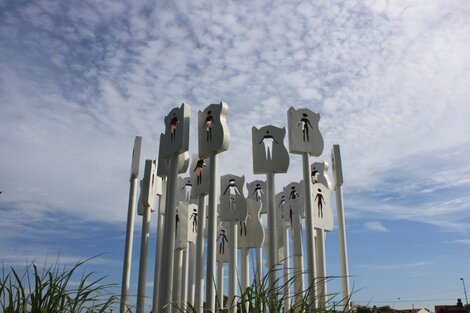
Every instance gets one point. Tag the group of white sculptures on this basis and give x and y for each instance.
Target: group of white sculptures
(190, 227)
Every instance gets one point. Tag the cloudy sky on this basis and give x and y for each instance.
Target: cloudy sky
(79, 80)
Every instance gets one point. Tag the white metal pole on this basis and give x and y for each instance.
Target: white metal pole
(272, 230)
(191, 272)
(232, 275)
(286, 269)
(143, 261)
(166, 274)
(201, 224)
(245, 274)
(220, 285)
(259, 265)
(310, 241)
(184, 280)
(321, 268)
(126, 270)
(158, 258)
(126, 273)
(298, 278)
(178, 267)
(212, 235)
(343, 249)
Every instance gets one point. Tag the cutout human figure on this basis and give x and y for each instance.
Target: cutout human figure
(193, 217)
(233, 191)
(320, 201)
(208, 123)
(198, 169)
(172, 127)
(243, 225)
(305, 124)
(221, 239)
(268, 140)
(293, 193)
(314, 176)
(177, 221)
(187, 188)
(258, 192)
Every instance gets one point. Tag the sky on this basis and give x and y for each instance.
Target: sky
(80, 79)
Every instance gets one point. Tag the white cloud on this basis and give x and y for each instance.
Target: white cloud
(375, 226)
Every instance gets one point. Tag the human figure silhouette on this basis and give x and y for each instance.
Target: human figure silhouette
(221, 239)
(320, 201)
(314, 176)
(198, 169)
(193, 217)
(177, 221)
(258, 192)
(172, 127)
(293, 193)
(233, 191)
(305, 124)
(187, 188)
(243, 225)
(268, 140)
(208, 123)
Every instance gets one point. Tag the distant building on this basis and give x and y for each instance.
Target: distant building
(458, 308)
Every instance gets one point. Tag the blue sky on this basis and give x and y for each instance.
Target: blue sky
(79, 80)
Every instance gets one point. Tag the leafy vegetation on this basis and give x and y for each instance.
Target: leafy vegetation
(53, 290)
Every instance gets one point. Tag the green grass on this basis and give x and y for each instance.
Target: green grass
(54, 289)
(260, 297)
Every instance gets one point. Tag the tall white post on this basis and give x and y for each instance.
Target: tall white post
(285, 262)
(211, 236)
(143, 261)
(232, 275)
(343, 247)
(150, 184)
(310, 241)
(199, 299)
(343, 250)
(184, 280)
(191, 272)
(177, 276)
(126, 272)
(321, 268)
(220, 285)
(174, 142)
(259, 265)
(245, 274)
(305, 139)
(158, 256)
(272, 230)
(166, 273)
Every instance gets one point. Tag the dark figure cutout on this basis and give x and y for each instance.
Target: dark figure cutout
(177, 221)
(193, 217)
(198, 169)
(233, 190)
(221, 239)
(305, 124)
(173, 123)
(243, 225)
(258, 192)
(268, 144)
(293, 193)
(208, 123)
(320, 202)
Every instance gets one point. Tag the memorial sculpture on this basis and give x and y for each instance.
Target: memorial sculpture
(305, 139)
(300, 212)
(270, 156)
